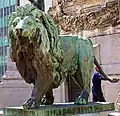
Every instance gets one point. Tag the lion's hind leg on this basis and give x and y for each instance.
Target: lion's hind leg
(83, 79)
(85, 68)
(83, 98)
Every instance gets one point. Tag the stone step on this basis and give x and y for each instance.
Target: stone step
(65, 109)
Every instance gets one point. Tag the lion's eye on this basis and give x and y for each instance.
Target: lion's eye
(29, 23)
(14, 23)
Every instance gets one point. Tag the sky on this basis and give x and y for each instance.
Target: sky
(48, 3)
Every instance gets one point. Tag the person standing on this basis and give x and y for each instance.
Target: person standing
(97, 94)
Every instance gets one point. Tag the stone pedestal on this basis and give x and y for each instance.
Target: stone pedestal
(1, 113)
(66, 109)
(114, 114)
(61, 93)
(14, 92)
(13, 89)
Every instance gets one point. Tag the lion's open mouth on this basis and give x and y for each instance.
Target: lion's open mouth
(23, 40)
(19, 36)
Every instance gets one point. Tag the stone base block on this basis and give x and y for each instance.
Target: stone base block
(14, 92)
(66, 109)
(114, 114)
(1, 113)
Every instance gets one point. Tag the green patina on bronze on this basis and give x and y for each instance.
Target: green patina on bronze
(44, 58)
(60, 110)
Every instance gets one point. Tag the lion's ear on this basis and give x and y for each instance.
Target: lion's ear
(36, 13)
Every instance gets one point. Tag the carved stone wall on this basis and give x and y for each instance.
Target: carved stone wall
(73, 19)
(80, 2)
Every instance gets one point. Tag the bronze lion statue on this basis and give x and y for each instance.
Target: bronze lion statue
(46, 59)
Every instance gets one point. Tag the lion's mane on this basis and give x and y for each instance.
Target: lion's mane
(43, 43)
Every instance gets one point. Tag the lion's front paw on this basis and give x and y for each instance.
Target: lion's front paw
(28, 104)
(46, 101)
(31, 104)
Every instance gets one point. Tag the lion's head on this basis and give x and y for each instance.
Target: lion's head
(26, 25)
(30, 25)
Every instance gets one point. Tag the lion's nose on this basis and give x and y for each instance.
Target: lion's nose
(19, 31)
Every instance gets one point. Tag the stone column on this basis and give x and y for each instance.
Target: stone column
(11, 70)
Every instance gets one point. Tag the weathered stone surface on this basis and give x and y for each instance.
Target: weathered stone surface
(83, 3)
(60, 110)
(109, 52)
(71, 18)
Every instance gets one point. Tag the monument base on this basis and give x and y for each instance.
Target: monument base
(65, 109)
